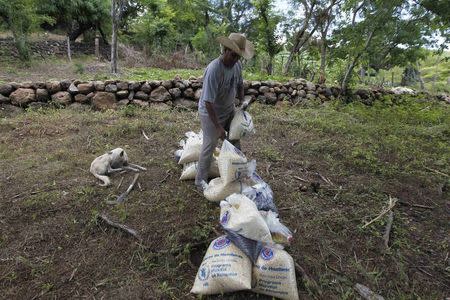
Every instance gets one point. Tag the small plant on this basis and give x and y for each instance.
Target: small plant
(79, 68)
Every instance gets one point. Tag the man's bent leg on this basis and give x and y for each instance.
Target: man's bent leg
(235, 143)
(210, 140)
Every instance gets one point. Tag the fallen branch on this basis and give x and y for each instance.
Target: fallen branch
(337, 194)
(299, 178)
(125, 228)
(165, 178)
(120, 183)
(416, 205)
(366, 293)
(437, 172)
(388, 228)
(122, 197)
(328, 181)
(309, 283)
(391, 204)
(145, 136)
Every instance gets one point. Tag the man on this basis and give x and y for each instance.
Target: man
(222, 83)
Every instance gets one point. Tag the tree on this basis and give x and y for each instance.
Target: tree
(266, 23)
(116, 13)
(20, 17)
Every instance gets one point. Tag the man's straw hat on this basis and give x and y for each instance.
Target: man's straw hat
(239, 44)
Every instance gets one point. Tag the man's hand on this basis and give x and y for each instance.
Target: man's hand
(221, 132)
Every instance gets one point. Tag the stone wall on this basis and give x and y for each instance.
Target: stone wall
(53, 48)
(167, 93)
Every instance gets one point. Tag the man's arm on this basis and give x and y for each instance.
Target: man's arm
(212, 115)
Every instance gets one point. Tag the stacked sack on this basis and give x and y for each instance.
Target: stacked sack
(251, 255)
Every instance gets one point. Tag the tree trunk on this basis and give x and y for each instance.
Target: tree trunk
(269, 67)
(114, 37)
(69, 53)
(351, 66)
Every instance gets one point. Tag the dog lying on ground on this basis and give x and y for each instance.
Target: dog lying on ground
(115, 160)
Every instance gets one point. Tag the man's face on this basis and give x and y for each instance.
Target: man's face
(230, 58)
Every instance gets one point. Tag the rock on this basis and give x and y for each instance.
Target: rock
(301, 93)
(363, 93)
(131, 95)
(198, 94)
(141, 95)
(310, 96)
(86, 88)
(62, 98)
(160, 94)
(167, 84)
(38, 85)
(6, 89)
(403, 90)
(122, 85)
(42, 95)
(246, 85)
(104, 100)
(175, 92)
(189, 93)
(264, 89)
(261, 99)
(185, 103)
(281, 97)
(99, 86)
(255, 84)
(122, 94)
(327, 92)
(81, 98)
(180, 85)
(277, 90)
(110, 81)
(186, 83)
(90, 95)
(196, 85)
(65, 84)
(22, 97)
(141, 103)
(53, 87)
(123, 102)
(146, 88)
(73, 88)
(177, 77)
(134, 86)
(3, 99)
(252, 92)
(111, 88)
(271, 98)
(310, 86)
(27, 85)
(154, 83)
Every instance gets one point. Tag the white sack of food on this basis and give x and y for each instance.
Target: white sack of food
(190, 170)
(224, 269)
(241, 125)
(240, 214)
(274, 274)
(191, 147)
(280, 233)
(216, 190)
(233, 164)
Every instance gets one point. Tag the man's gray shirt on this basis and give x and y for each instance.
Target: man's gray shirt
(219, 87)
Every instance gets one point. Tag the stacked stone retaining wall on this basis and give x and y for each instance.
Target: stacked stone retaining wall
(163, 93)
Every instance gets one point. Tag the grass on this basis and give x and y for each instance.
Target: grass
(50, 232)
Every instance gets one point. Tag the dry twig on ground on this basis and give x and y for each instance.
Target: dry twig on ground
(387, 231)
(391, 204)
(366, 293)
(122, 197)
(125, 228)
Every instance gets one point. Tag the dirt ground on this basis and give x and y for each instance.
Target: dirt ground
(52, 244)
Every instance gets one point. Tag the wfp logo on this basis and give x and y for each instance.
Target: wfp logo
(267, 253)
(221, 243)
(225, 218)
(203, 273)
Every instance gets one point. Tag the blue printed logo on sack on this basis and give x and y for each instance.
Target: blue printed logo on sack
(225, 218)
(203, 273)
(221, 243)
(267, 253)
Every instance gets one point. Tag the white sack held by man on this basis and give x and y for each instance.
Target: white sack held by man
(241, 125)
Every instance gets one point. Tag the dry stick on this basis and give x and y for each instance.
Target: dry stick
(299, 178)
(387, 231)
(165, 178)
(268, 169)
(289, 208)
(309, 283)
(145, 136)
(139, 186)
(120, 183)
(122, 197)
(416, 205)
(328, 181)
(392, 202)
(125, 228)
(366, 293)
(337, 194)
(437, 172)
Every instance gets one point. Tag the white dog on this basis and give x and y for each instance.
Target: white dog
(114, 161)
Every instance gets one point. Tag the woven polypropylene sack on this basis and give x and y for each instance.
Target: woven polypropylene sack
(261, 194)
(241, 125)
(274, 274)
(224, 269)
(190, 170)
(192, 147)
(239, 214)
(217, 190)
(233, 164)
